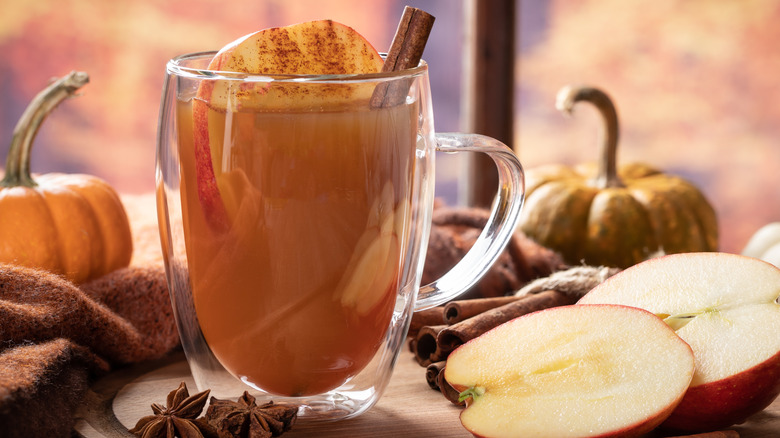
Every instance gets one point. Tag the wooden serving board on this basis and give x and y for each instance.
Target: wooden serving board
(409, 407)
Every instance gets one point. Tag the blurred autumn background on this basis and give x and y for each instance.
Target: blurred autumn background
(695, 82)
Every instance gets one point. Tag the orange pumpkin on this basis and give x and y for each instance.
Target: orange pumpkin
(600, 215)
(70, 224)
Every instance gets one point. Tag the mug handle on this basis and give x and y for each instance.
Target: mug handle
(499, 228)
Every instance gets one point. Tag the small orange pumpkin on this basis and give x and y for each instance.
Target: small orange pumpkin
(601, 216)
(70, 224)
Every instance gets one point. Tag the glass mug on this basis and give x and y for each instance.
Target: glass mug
(294, 220)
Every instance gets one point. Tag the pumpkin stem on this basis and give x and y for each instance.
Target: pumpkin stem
(607, 166)
(17, 164)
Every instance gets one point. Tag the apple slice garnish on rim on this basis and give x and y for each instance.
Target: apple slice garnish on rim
(321, 47)
(571, 371)
(726, 307)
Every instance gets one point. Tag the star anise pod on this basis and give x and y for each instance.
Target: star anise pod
(179, 418)
(245, 419)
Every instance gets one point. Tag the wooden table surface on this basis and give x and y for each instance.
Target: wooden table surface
(409, 408)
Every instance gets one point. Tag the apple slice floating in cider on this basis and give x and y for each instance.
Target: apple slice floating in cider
(374, 265)
(726, 307)
(321, 47)
(571, 371)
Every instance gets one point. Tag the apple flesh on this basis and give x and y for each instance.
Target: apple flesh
(321, 47)
(764, 244)
(571, 371)
(374, 266)
(726, 307)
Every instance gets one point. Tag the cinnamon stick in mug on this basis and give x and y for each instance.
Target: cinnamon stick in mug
(405, 52)
(462, 332)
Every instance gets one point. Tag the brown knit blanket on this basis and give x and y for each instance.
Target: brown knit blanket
(56, 338)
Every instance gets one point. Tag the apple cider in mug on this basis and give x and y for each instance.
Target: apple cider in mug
(293, 233)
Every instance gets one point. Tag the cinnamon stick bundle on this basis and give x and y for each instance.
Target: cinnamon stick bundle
(428, 325)
(426, 348)
(433, 343)
(457, 311)
(422, 318)
(412, 344)
(448, 391)
(462, 332)
(432, 373)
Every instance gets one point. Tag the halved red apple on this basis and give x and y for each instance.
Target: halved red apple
(571, 371)
(726, 307)
(321, 47)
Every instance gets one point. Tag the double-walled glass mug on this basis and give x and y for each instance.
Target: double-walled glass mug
(294, 219)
